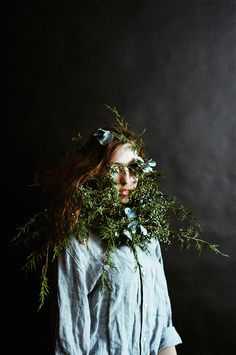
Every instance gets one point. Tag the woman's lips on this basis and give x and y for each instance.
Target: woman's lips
(124, 193)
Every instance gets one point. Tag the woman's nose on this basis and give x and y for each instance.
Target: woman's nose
(126, 178)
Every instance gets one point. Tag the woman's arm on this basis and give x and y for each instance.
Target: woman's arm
(168, 351)
(78, 270)
(72, 327)
(169, 338)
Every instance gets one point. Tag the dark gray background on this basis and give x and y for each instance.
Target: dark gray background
(170, 67)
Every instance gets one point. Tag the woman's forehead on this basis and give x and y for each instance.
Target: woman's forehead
(124, 154)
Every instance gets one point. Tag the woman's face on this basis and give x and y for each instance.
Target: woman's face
(124, 179)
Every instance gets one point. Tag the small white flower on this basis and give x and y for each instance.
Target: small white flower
(143, 230)
(127, 234)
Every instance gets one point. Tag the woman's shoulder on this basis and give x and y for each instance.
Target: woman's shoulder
(92, 247)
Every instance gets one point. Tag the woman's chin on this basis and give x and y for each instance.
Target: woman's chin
(124, 199)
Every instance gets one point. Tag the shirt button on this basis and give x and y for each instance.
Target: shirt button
(145, 305)
(144, 273)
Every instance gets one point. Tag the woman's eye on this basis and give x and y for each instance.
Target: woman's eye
(131, 172)
(133, 167)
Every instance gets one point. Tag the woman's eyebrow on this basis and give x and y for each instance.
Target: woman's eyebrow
(132, 161)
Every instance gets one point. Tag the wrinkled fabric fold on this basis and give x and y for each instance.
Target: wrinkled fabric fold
(132, 318)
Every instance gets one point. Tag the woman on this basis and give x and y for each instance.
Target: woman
(132, 315)
(101, 230)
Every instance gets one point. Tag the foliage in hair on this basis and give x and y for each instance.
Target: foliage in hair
(123, 125)
(119, 118)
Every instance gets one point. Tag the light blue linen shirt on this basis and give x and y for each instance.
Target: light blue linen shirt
(134, 318)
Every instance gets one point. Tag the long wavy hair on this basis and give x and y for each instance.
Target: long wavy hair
(89, 160)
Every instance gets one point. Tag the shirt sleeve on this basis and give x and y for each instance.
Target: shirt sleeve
(77, 272)
(170, 336)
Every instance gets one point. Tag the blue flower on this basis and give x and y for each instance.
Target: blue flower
(146, 166)
(104, 137)
(131, 214)
(152, 163)
(133, 226)
(149, 165)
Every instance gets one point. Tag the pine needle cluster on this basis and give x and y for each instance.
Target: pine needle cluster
(150, 213)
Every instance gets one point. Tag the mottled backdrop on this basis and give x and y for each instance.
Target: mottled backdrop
(170, 67)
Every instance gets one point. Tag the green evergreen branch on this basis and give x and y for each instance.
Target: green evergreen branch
(119, 135)
(120, 118)
(103, 212)
(200, 244)
(25, 229)
(44, 290)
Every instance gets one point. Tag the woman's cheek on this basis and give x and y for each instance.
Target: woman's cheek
(116, 178)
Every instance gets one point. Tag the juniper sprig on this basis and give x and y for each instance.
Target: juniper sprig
(150, 213)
